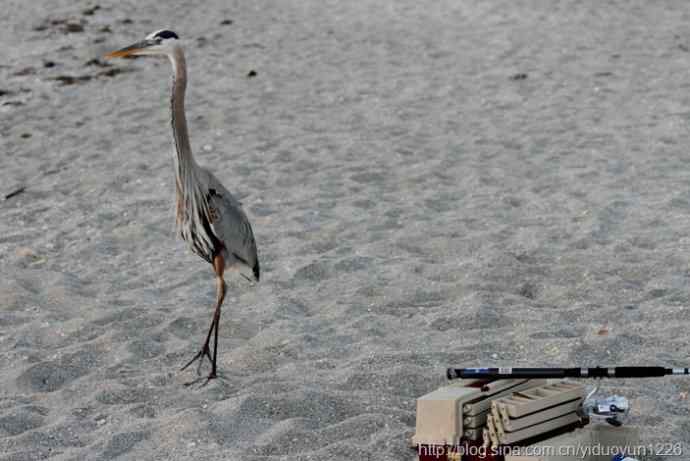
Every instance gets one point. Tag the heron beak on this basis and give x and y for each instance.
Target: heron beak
(131, 50)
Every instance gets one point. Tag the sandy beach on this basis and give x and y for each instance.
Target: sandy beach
(439, 183)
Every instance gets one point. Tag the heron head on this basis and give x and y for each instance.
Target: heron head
(158, 43)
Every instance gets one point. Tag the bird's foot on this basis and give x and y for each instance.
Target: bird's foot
(204, 380)
(204, 352)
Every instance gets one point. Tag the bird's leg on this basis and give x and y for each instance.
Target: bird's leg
(219, 267)
(216, 319)
(204, 352)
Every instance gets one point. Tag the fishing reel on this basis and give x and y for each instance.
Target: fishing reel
(612, 409)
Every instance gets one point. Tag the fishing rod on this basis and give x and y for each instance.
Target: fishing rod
(611, 409)
(560, 373)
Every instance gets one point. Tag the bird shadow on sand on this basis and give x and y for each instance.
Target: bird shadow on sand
(202, 381)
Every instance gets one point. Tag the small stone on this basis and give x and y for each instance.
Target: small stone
(97, 62)
(552, 350)
(91, 11)
(73, 27)
(25, 252)
(226, 22)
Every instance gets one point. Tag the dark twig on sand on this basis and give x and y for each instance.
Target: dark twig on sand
(15, 192)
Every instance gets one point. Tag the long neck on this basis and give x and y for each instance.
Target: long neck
(184, 160)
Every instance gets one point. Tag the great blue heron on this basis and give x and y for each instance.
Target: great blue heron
(209, 218)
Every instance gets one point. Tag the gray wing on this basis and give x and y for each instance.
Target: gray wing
(231, 226)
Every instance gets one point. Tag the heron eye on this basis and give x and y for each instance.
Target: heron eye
(159, 40)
